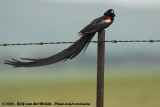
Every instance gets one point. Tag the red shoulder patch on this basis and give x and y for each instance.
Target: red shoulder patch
(109, 18)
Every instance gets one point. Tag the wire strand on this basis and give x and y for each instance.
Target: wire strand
(43, 43)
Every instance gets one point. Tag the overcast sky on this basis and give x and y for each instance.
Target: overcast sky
(139, 3)
(24, 21)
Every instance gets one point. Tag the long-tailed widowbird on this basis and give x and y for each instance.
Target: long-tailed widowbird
(86, 34)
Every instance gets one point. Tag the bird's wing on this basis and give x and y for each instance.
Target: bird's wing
(93, 27)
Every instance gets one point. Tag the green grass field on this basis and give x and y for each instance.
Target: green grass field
(129, 90)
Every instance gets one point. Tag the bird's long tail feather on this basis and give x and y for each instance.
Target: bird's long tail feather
(68, 53)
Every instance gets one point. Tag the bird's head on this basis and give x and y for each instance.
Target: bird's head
(110, 13)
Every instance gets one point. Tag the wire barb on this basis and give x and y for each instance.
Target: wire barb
(111, 41)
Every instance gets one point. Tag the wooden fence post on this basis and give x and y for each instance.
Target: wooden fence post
(100, 68)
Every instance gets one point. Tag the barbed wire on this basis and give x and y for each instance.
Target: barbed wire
(111, 41)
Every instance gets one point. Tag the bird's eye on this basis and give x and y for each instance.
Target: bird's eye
(112, 11)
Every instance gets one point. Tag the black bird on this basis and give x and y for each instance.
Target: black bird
(86, 34)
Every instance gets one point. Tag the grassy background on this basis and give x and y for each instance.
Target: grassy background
(140, 88)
